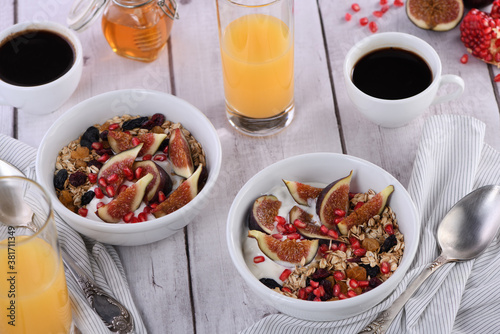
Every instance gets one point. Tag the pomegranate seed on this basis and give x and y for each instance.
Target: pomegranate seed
(333, 234)
(351, 293)
(103, 158)
(334, 247)
(122, 188)
(99, 205)
(98, 193)
(355, 244)
(290, 228)
(142, 217)
(383, 2)
(134, 220)
(464, 59)
(147, 157)
(83, 212)
(112, 178)
(378, 13)
(138, 172)
(497, 78)
(153, 205)
(339, 212)
(373, 27)
(128, 217)
(338, 220)
(336, 290)
(324, 229)
(384, 9)
(135, 141)
(314, 284)
(358, 205)
(161, 196)
(323, 248)
(92, 177)
(281, 228)
(316, 299)
(111, 191)
(389, 229)
(165, 150)
(353, 283)
(339, 275)
(351, 195)
(385, 268)
(399, 3)
(363, 284)
(97, 145)
(102, 182)
(348, 16)
(147, 209)
(319, 291)
(355, 7)
(342, 296)
(299, 223)
(113, 126)
(293, 236)
(160, 157)
(363, 21)
(359, 252)
(278, 236)
(309, 289)
(286, 289)
(342, 247)
(284, 275)
(302, 294)
(280, 220)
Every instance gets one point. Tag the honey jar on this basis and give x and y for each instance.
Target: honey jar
(136, 29)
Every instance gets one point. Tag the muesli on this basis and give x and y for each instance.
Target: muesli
(130, 169)
(323, 243)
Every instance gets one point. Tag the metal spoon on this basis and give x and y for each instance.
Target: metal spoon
(115, 316)
(464, 233)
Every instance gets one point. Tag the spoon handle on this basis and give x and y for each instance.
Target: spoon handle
(385, 318)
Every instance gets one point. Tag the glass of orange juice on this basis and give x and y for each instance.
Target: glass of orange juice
(256, 42)
(33, 293)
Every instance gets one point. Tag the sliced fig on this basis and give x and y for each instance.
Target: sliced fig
(115, 166)
(289, 250)
(311, 230)
(121, 141)
(127, 201)
(334, 197)
(180, 154)
(161, 180)
(373, 207)
(442, 15)
(261, 215)
(301, 192)
(180, 196)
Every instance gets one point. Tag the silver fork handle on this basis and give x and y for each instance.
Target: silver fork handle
(385, 318)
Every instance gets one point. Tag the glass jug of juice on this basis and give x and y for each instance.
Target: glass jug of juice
(136, 29)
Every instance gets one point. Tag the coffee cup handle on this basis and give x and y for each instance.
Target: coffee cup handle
(450, 79)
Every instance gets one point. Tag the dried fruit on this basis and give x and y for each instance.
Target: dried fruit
(262, 215)
(301, 192)
(288, 250)
(89, 136)
(335, 196)
(155, 120)
(134, 123)
(87, 197)
(180, 154)
(389, 242)
(77, 178)
(270, 283)
(371, 208)
(434, 15)
(479, 32)
(60, 178)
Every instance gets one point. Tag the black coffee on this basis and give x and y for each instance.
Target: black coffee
(35, 57)
(391, 74)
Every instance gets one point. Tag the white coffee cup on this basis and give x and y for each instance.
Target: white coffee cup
(44, 98)
(396, 113)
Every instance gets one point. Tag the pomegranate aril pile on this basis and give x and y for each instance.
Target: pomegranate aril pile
(367, 15)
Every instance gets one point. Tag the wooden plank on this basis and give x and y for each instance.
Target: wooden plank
(394, 149)
(198, 79)
(7, 18)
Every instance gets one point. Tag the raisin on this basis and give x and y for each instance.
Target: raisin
(320, 273)
(134, 123)
(370, 244)
(374, 282)
(87, 197)
(103, 151)
(60, 179)
(357, 273)
(155, 120)
(327, 285)
(390, 242)
(371, 271)
(104, 135)
(89, 136)
(77, 179)
(94, 163)
(270, 283)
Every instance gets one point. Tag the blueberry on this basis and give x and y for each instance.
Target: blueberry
(60, 178)
(270, 283)
(87, 197)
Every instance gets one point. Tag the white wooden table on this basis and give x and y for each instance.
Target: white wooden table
(187, 283)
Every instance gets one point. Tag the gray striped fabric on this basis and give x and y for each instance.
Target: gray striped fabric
(451, 161)
(98, 260)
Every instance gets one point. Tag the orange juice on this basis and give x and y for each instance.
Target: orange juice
(33, 293)
(257, 61)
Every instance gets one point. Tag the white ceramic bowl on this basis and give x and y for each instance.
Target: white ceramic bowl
(323, 168)
(134, 102)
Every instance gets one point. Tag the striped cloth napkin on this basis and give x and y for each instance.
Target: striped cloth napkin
(98, 260)
(463, 297)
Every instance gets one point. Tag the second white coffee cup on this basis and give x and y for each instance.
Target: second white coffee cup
(398, 112)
